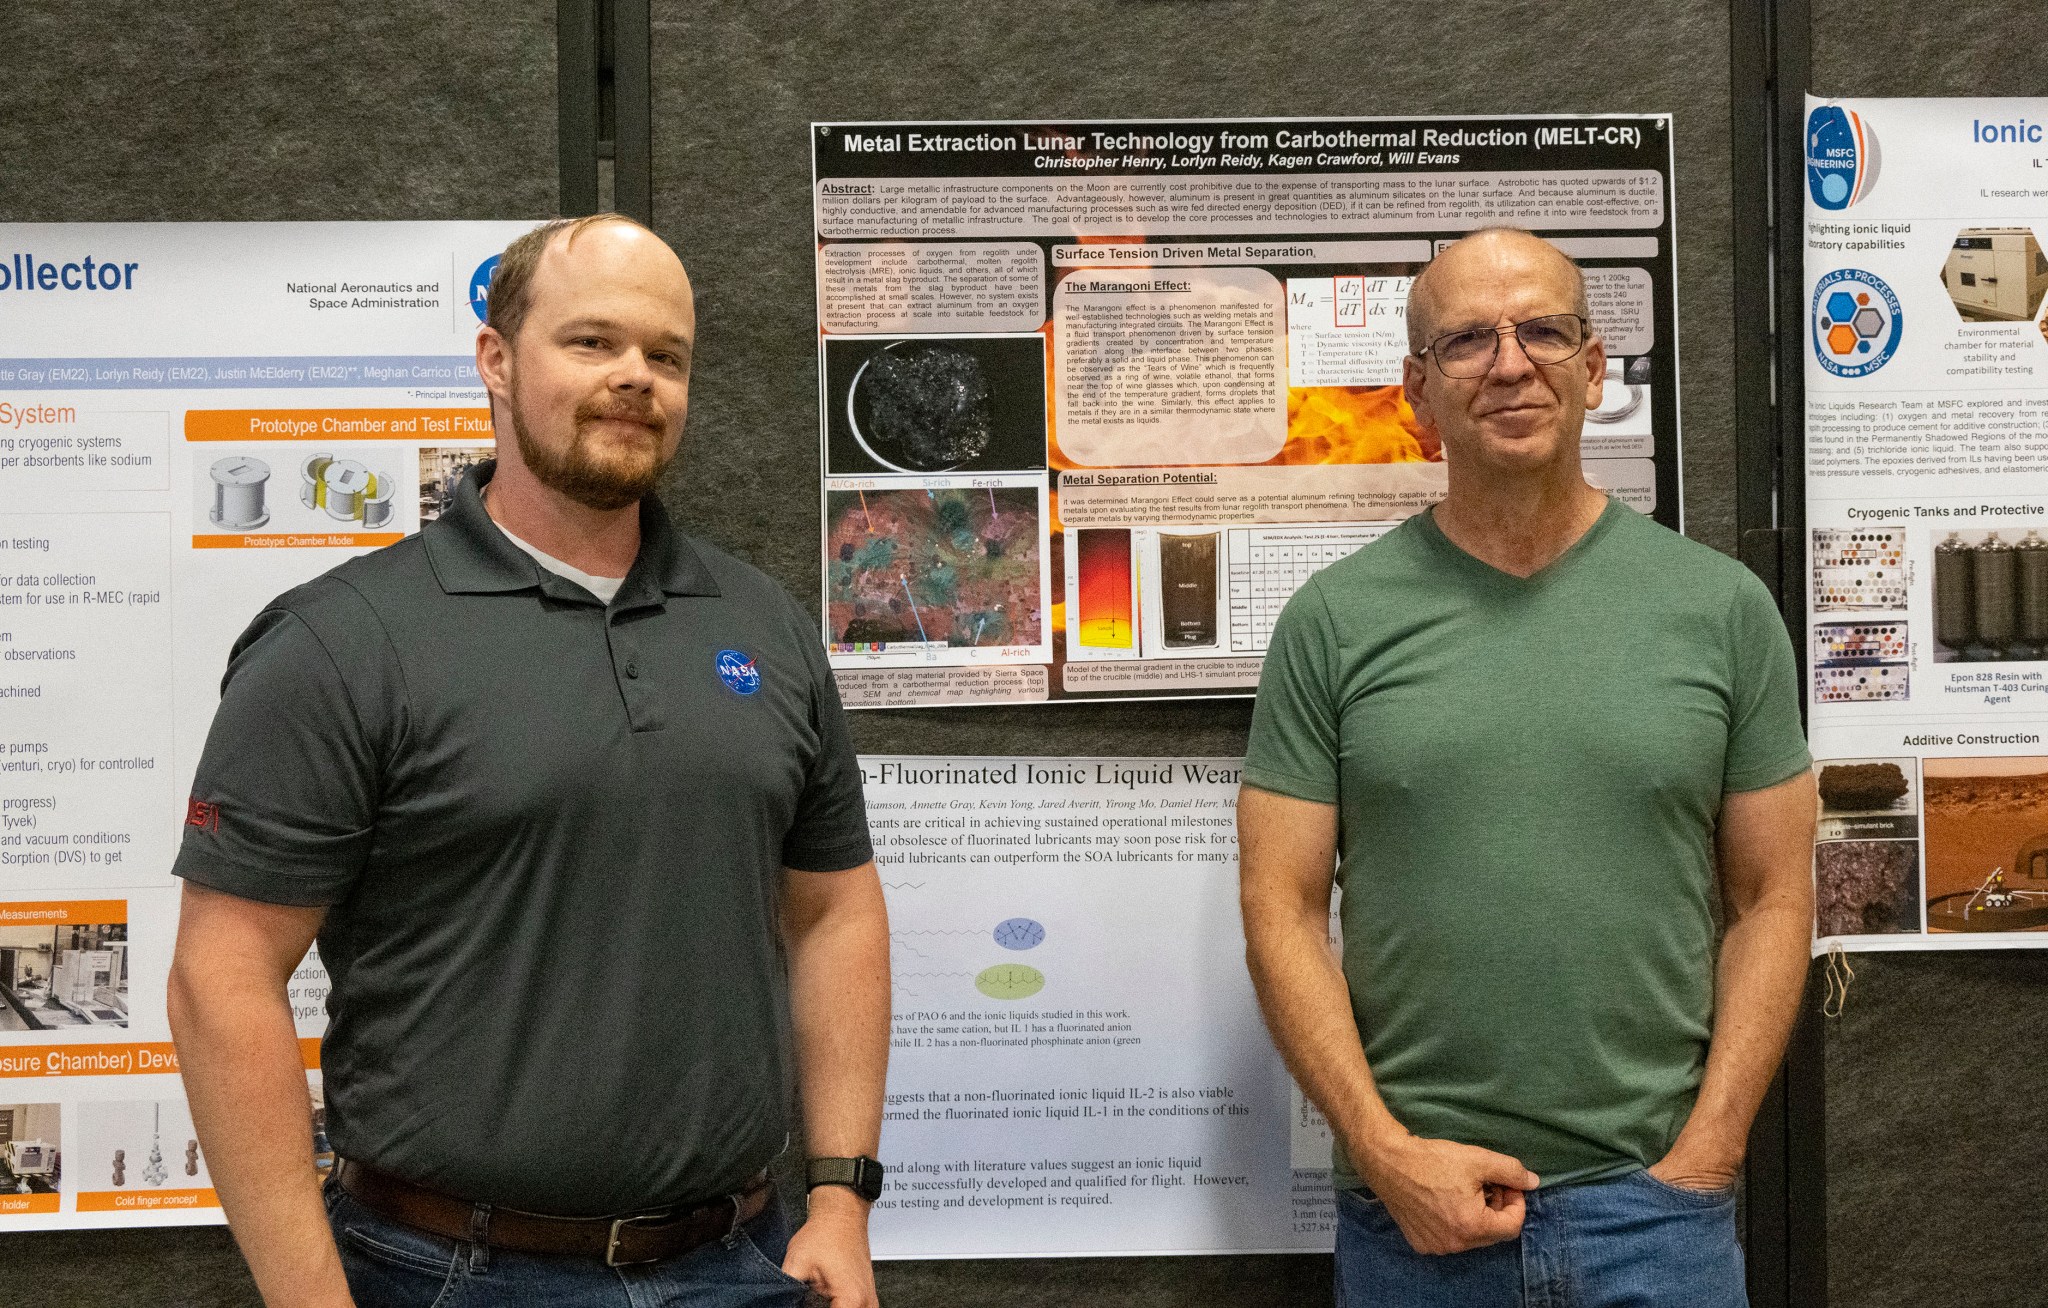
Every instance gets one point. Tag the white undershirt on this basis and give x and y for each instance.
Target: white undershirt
(602, 587)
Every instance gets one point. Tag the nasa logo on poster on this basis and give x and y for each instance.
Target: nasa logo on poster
(480, 287)
(1841, 157)
(1856, 322)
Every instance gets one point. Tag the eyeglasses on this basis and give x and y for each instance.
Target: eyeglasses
(1552, 338)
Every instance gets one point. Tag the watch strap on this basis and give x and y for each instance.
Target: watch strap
(861, 1175)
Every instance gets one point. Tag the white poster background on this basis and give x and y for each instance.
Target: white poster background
(1078, 1061)
(1927, 414)
(209, 345)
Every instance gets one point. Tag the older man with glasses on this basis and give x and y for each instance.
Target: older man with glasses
(1526, 729)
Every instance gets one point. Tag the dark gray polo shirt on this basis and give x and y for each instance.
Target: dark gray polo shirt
(551, 833)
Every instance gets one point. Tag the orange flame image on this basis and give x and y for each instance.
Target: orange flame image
(1354, 424)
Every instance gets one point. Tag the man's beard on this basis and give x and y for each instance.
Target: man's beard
(606, 478)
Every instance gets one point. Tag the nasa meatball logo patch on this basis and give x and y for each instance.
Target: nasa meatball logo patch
(736, 669)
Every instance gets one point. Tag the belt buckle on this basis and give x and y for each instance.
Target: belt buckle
(611, 1248)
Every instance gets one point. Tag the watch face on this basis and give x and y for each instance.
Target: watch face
(870, 1186)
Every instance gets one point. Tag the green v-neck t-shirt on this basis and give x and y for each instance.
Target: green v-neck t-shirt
(1527, 774)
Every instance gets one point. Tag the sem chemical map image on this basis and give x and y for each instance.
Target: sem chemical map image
(956, 568)
(1987, 843)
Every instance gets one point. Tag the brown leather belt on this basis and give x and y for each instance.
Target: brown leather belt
(641, 1237)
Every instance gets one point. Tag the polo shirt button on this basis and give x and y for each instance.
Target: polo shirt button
(633, 670)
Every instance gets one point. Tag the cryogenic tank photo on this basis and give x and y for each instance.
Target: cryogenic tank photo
(2031, 558)
(1992, 591)
(1954, 625)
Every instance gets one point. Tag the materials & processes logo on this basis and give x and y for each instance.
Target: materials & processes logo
(1856, 322)
(1841, 157)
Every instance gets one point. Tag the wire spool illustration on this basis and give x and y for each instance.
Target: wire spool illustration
(1997, 618)
(1954, 586)
(1620, 399)
(238, 483)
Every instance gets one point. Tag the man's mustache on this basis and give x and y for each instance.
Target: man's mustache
(647, 415)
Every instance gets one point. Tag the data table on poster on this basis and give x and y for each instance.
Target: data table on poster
(1268, 564)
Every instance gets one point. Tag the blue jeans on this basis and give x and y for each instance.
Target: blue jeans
(392, 1265)
(1633, 1242)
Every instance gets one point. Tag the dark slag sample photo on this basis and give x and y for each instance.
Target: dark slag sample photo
(935, 405)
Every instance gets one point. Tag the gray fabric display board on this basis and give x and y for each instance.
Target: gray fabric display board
(226, 110)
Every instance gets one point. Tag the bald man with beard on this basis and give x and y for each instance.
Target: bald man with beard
(1525, 730)
(568, 801)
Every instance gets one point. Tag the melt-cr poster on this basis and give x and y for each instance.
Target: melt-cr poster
(194, 418)
(1927, 504)
(1095, 398)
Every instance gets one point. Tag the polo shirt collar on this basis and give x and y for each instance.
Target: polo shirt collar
(471, 555)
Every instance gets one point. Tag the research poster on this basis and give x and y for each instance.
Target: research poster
(1927, 503)
(1078, 1065)
(193, 419)
(1095, 398)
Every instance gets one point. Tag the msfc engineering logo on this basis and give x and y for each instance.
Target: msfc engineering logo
(1841, 157)
(1856, 322)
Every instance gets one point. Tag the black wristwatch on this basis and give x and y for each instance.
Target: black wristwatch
(861, 1175)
